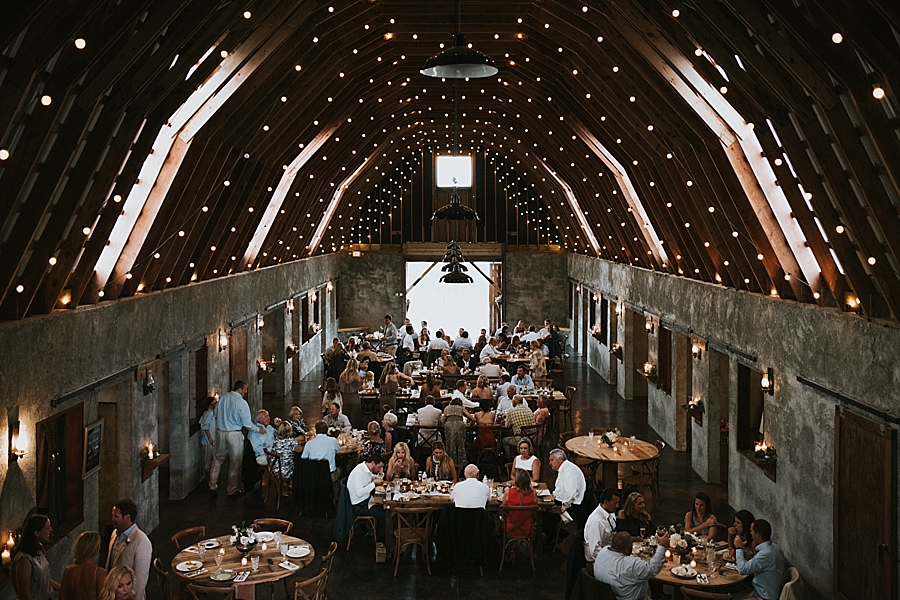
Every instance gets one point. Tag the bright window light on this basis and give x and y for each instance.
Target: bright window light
(454, 171)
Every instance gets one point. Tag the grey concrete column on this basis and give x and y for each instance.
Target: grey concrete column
(710, 381)
(185, 455)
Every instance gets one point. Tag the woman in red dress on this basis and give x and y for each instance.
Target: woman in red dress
(520, 494)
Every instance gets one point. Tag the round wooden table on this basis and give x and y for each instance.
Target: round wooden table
(625, 450)
(727, 578)
(269, 571)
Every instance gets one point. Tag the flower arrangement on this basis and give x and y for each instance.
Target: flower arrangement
(243, 537)
(334, 431)
(609, 438)
(680, 541)
(616, 350)
(765, 453)
(650, 369)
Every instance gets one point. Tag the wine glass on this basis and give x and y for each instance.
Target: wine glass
(643, 532)
(284, 551)
(218, 560)
(278, 538)
(201, 550)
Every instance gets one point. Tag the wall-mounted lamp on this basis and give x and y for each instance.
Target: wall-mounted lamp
(17, 444)
(223, 340)
(578, 288)
(697, 351)
(312, 296)
(649, 326)
(596, 297)
(329, 286)
(7, 550)
(149, 384)
(768, 381)
(260, 321)
(620, 309)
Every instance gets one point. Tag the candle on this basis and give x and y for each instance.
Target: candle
(10, 542)
(668, 555)
(264, 547)
(222, 551)
(243, 561)
(693, 563)
(150, 450)
(4, 556)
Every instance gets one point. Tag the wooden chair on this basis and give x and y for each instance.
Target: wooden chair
(523, 531)
(689, 593)
(188, 537)
(270, 524)
(563, 413)
(373, 523)
(312, 588)
(370, 409)
(793, 587)
(327, 560)
(413, 528)
(646, 477)
(561, 369)
(202, 592)
(531, 432)
(543, 382)
(276, 478)
(165, 585)
(587, 466)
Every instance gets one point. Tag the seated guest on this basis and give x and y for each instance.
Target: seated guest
(526, 461)
(295, 420)
(502, 387)
(484, 419)
(467, 360)
(516, 418)
(438, 343)
(529, 336)
(503, 342)
(374, 443)
(335, 419)
(470, 493)
(428, 417)
(462, 343)
(284, 446)
(520, 328)
(460, 394)
(521, 494)
(634, 517)
(570, 484)
(480, 343)
(392, 435)
(522, 379)
(324, 447)
(449, 366)
(601, 524)
(440, 360)
(482, 389)
(83, 579)
(331, 350)
(259, 441)
(627, 575)
(490, 350)
(351, 347)
(430, 387)
(364, 366)
(360, 485)
(700, 520)
(537, 362)
(439, 465)
(401, 465)
(332, 395)
(120, 584)
(489, 369)
(542, 412)
(767, 566)
(741, 529)
(366, 352)
(504, 404)
(504, 328)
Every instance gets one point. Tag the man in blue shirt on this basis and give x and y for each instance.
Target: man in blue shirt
(766, 566)
(263, 438)
(522, 379)
(324, 447)
(232, 415)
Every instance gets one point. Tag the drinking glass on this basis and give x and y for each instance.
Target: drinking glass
(254, 563)
(278, 538)
(201, 550)
(643, 532)
(284, 550)
(218, 560)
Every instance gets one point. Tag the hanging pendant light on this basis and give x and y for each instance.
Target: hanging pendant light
(460, 61)
(455, 211)
(456, 271)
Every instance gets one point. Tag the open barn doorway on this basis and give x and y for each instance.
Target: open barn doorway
(450, 305)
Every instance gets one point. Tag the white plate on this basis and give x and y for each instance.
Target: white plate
(297, 551)
(210, 544)
(189, 565)
(265, 536)
(223, 575)
(683, 572)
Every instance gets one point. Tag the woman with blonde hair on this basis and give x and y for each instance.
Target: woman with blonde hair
(119, 584)
(482, 389)
(83, 579)
(401, 465)
(349, 384)
(538, 363)
(389, 384)
(374, 444)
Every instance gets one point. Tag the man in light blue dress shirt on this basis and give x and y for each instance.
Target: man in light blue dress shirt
(629, 576)
(324, 447)
(766, 566)
(232, 415)
(263, 438)
(522, 379)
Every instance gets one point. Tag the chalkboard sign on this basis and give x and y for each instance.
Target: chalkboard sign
(93, 440)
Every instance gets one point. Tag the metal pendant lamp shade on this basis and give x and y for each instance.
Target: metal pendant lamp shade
(459, 62)
(455, 211)
(456, 271)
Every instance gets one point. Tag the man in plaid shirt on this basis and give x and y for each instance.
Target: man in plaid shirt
(516, 418)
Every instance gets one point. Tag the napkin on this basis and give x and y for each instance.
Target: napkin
(731, 566)
(242, 576)
(288, 565)
(195, 573)
(192, 549)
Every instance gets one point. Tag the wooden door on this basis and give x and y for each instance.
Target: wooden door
(238, 345)
(865, 548)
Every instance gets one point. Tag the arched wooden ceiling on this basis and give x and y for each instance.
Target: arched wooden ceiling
(148, 144)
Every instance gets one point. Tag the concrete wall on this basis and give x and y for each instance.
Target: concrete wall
(372, 285)
(842, 352)
(535, 287)
(50, 356)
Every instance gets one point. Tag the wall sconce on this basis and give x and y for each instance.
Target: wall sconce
(768, 381)
(697, 351)
(18, 447)
(312, 296)
(223, 340)
(596, 297)
(260, 321)
(649, 326)
(578, 288)
(620, 309)
(329, 286)
(149, 384)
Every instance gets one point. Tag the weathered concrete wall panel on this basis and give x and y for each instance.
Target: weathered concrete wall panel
(372, 285)
(535, 287)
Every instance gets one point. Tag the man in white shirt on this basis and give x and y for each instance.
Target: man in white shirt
(360, 485)
(460, 392)
(438, 343)
(470, 493)
(627, 575)
(489, 369)
(544, 333)
(570, 483)
(504, 403)
(601, 525)
(531, 335)
(490, 350)
(428, 418)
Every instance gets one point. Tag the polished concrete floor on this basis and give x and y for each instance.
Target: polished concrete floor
(356, 575)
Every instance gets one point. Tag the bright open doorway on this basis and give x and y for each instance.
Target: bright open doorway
(448, 305)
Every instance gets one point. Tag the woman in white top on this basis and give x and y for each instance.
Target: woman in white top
(527, 461)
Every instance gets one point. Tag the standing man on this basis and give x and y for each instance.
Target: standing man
(629, 576)
(601, 525)
(570, 488)
(766, 566)
(232, 415)
(390, 335)
(129, 546)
